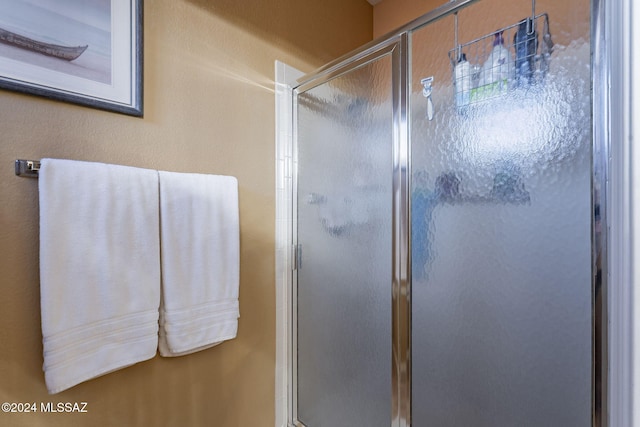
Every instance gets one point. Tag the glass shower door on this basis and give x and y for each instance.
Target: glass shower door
(343, 286)
(501, 218)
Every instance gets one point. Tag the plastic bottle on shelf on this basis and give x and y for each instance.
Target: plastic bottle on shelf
(462, 73)
(525, 41)
(498, 68)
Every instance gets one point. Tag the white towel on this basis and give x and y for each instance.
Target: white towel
(99, 269)
(200, 251)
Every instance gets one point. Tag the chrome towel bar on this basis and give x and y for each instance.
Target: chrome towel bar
(27, 168)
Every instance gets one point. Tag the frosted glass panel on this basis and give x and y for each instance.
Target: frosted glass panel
(501, 225)
(344, 228)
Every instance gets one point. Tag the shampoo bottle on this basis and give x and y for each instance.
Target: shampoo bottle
(462, 73)
(498, 68)
(525, 41)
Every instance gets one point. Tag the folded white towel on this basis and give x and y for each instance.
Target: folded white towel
(99, 269)
(200, 251)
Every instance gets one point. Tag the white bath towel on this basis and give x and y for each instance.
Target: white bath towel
(200, 247)
(99, 269)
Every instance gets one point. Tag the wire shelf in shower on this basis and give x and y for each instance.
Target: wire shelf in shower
(516, 56)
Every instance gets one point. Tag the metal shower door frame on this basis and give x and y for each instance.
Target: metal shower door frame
(607, 389)
(397, 48)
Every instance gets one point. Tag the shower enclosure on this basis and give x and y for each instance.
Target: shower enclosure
(447, 224)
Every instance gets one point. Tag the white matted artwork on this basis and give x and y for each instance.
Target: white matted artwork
(87, 52)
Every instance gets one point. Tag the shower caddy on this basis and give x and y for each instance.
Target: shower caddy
(510, 58)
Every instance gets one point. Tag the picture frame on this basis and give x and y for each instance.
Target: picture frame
(84, 52)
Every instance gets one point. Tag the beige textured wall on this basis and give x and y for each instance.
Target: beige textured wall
(209, 108)
(388, 15)
(391, 14)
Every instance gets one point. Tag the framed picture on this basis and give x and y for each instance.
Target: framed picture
(88, 52)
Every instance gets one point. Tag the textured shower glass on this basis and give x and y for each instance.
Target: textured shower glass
(344, 228)
(501, 232)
